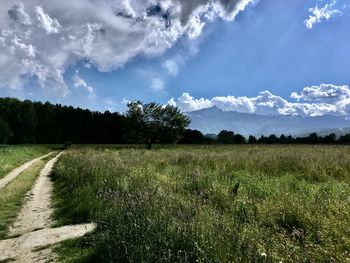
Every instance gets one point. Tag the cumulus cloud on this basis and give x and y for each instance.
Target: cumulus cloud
(319, 14)
(326, 99)
(323, 93)
(41, 39)
(188, 103)
(50, 25)
(335, 99)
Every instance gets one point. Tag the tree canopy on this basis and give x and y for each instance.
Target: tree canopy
(153, 121)
(5, 132)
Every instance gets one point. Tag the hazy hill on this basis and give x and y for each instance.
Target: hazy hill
(213, 120)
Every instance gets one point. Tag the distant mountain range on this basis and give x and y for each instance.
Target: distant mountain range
(213, 120)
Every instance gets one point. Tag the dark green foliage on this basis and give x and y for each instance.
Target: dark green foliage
(192, 137)
(313, 138)
(345, 139)
(272, 139)
(229, 137)
(331, 138)
(153, 122)
(226, 137)
(252, 139)
(36, 122)
(5, 132)
(239, 139)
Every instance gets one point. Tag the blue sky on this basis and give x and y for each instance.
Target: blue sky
(267, 46)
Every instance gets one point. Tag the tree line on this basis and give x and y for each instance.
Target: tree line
(229, 137)
(143, 123)
(46, 123)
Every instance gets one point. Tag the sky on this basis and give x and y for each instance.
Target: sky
(268, 57)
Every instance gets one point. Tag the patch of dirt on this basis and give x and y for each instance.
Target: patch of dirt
(35, 246)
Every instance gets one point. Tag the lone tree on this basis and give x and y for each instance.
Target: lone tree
(252, 139)
(152, 121)
(226, 137)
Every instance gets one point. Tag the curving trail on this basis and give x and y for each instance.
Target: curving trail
(36, 212)
(32, 228)
(12, 175)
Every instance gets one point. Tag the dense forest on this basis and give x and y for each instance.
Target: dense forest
(36, 122)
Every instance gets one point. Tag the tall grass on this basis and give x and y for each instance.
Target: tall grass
(208, 204)
(13, 156)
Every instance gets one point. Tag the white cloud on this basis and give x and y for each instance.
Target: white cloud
(175, 62)
(172, 102)
(326, 99)
(323, 93)
(157, 84)
(50, 25)
(265, 103)
(319, 14)
(172, 67)
(79, 82)
(17, 13)
(41, 39)
(231, 103)
(188, 103)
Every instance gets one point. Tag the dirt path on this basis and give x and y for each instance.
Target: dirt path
(12, 175)
(32, 227)
(34, 246)
(36, 212)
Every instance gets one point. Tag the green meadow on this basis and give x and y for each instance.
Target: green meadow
(13, 156)
(206, 203)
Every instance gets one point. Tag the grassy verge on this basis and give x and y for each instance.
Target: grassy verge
(207, 204)
(78, 250)
(13, 156)
(13, 195)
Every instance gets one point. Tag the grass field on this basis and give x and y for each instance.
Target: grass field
(13, 156)
(207, 204)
